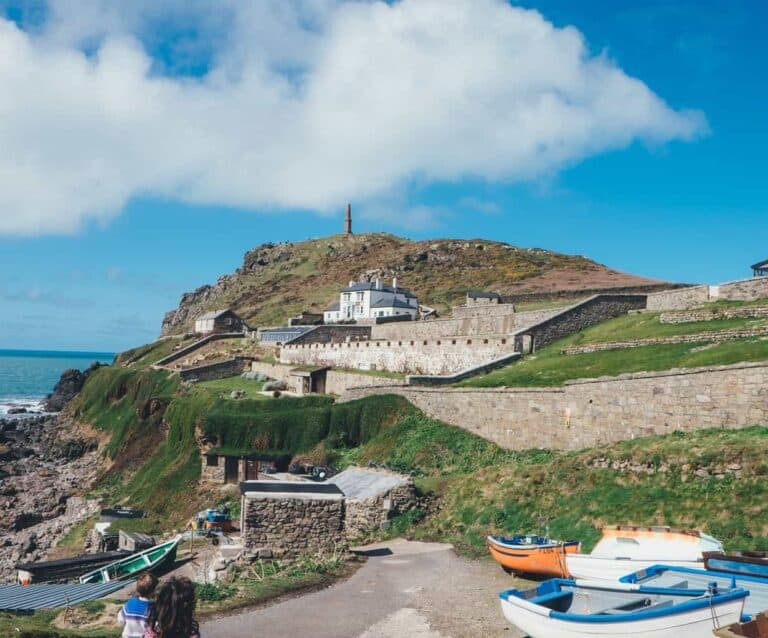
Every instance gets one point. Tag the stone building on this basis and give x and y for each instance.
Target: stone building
(219, 321)
(481, 298)
(372, 498)
(222, 468)
(372, 300)
(290, 519)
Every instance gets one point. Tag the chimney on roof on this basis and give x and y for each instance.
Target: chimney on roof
(378, 283)
(394, 283)
(348, 221)
(351, 282)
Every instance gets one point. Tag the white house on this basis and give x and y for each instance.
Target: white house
(369, 300)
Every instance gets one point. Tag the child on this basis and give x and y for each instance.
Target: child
(134, 615)
(173, 614)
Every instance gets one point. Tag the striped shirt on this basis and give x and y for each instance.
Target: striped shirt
(133, 616)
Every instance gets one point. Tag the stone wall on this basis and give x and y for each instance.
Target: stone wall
(699, 337)
(695, 296)
(217, 370)
(338, 381)
(714, 313)
(440, 356)
(575, 319)
(291, 525)
(593, 412)
(333, 333)
(485, 309)
(212, 473)
(276, 371)
(363, 516)
(490, 320)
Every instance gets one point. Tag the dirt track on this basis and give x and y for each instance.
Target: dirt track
(406, 589)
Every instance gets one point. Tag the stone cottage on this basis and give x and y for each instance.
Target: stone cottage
(218, 322)
(291, 518)
(372, 498)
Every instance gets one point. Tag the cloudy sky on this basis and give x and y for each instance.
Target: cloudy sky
(145, 145)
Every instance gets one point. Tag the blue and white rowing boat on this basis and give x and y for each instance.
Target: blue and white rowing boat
(562, 608)
(685, 578)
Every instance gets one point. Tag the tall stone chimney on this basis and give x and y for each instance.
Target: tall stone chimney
(394, 283)
(348, 221)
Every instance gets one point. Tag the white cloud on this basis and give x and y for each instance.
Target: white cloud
(307, 104)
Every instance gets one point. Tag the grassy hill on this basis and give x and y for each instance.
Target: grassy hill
(279, 280)
(548, 367)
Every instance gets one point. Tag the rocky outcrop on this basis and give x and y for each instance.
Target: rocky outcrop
(276, 281)
(68, 387)
(45, 465)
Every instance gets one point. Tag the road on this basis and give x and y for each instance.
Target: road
(405, 590)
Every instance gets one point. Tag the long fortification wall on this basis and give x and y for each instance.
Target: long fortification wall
(686, 298)
(593, 412)
(407, 356)
(336, 381)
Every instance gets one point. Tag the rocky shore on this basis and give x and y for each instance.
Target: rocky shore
(46, 463)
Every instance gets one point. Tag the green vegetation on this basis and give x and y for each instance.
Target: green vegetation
(144, 356)
(223, 387)
(44, 624)
(548, 367)
(373, 373)
(484, 489)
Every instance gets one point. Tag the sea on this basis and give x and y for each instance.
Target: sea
(28, 376)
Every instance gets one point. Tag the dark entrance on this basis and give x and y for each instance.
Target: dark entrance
(230, 469)
(252, 470)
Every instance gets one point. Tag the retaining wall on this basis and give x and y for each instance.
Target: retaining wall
(333, 333)
(686, 298)
(336, 381)
(714, 313)
(593, 412)
(575, 319)
(440, 356)
(217, 370)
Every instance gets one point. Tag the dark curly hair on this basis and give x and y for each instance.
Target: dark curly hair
(172, 615)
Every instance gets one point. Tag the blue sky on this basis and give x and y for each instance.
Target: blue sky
(94, 264)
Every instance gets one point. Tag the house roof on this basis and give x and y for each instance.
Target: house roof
(481, 294)
(333, 307)
(391, 303)
(214, 314)
(760, 264)
(288, 487)
(361, 483)
(371, 285)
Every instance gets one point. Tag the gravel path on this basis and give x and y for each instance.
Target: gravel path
(405, 589)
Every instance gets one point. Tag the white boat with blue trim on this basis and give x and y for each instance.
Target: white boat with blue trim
(562, 608)
(686, 578)
(624, 549)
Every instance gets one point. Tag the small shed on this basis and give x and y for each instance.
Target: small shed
(310, 379)
(760, 269)
(291, 518)
(219, 321)
(223, 466)
(134, 541)
(372, 498)
(482, 298)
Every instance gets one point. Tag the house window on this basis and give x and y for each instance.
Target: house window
(212, 460)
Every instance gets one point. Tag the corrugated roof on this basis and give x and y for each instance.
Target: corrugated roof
(333, 307)
(52, 596)
(359, 483)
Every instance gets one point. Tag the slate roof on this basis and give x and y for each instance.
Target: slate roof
(393, 303)
(480, 294)
(371, 285)
(760, 264)
(214, 314)
(333, 307)
(361, 483)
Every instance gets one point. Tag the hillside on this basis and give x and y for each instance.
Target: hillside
(279, 280)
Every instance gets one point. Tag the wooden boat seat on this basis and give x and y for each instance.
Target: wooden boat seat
(557, 600)
(630, 605)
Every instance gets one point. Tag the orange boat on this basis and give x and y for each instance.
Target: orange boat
(532, 554)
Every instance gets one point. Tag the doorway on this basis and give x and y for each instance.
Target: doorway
(230, 469)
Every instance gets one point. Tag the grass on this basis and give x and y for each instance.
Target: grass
(42, 624)
(387, 374)
(483, 489)
(223, 387)
(548, 367)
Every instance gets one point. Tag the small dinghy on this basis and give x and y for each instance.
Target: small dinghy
(746, 563)
(134, 564)
(685, 578)
(531, 554)
(560, 608)
(65, 568)
(624, 549)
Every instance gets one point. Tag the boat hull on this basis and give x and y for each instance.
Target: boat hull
(588, 567)
(692, 624)
(544, 560)
(130, 567)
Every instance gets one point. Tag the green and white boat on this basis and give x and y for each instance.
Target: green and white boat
(135, 564)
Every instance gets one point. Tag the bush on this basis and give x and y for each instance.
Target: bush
(214, 592)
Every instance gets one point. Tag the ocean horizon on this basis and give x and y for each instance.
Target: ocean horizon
(28, 376)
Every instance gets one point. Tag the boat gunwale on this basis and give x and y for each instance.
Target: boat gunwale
(104, 571)
(698, 599)
(493, 541)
